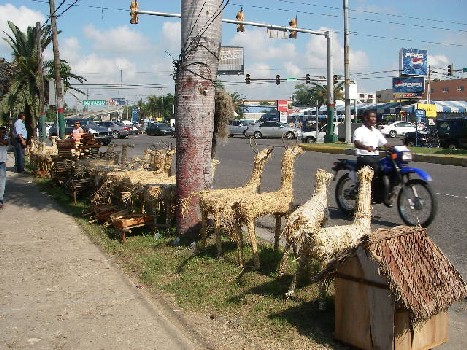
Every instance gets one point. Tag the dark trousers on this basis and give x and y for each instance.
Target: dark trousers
(19, 156)
(372, 162)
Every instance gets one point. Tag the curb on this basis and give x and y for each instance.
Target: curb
(428, 158)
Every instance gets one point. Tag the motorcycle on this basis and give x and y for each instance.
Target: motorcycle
(416, 202)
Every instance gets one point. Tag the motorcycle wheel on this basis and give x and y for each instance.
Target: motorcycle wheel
(346, 194)
(416, 203)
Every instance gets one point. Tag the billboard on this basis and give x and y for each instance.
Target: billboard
(231, 61)
(282, 105)
(413, 62)
(430, 109)
(118, 101)
(404, 85)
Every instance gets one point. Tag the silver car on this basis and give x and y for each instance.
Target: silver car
(238, 126)
(272, 129)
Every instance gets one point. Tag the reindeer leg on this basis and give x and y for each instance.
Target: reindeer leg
(283, 262)
(239, 239)
(254, 246)
(217, 233)
(204, 224)
(277, 232)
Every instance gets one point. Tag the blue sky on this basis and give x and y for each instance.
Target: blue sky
(101, 45)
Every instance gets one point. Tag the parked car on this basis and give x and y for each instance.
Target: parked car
(309, 134)
(426, 136)
(452, 132)
(101, 134)
(272, 129)
(133, 128)
(159, 129)
(396, 128)
(118, 131)
(239, 126)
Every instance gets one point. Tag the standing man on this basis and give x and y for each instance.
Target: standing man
(20, 135)
(3, 158)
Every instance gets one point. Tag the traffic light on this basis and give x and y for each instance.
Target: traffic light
(247, 79)
(134, 12)
(334, 79)
(450, 70)
(293, 24)
(240, 17)
(307, 79)
(278, 79)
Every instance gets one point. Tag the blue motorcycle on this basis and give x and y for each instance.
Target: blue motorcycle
(416, 202)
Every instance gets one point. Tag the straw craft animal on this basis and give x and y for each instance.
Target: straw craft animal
(329, 241)
(277, 203)
(306, 219)
(220, 203)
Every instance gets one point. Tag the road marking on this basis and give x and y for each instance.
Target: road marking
(450, 195)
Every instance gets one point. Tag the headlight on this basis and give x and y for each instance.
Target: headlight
(407, 156)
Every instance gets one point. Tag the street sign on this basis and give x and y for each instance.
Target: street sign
(94, 102)
(464, 70)
(291, 79)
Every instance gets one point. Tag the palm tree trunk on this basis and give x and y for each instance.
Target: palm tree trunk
(195, 74)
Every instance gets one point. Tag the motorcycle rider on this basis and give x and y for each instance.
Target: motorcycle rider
(367, 138)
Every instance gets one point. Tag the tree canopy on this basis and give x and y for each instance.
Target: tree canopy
(315, 94)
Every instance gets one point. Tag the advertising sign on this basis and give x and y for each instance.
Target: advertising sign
(409, 95)
(118, 101)
(135, 116)
(430, 109)
(94, 102)
(413, 62)
(231, 61)
(282, 105)
(408, 85)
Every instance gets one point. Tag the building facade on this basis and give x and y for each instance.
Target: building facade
(448, 90)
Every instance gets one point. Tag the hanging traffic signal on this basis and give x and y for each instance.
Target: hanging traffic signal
(450, 70)
(334, 79)
(278, 79)
(134, 12)
(307, 79)
(240, 17)
(293, 24)
(247, 79)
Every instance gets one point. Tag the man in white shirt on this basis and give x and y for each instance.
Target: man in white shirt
(366, 141)
(21, 135)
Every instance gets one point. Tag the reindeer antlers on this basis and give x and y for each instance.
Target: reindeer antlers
(254, 146)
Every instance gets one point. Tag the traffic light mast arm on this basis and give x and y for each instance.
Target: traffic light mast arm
(232, 21)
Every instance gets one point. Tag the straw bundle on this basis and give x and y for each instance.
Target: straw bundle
(277, 203)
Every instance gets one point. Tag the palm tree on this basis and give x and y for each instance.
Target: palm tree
(195, 75)
(23, 94)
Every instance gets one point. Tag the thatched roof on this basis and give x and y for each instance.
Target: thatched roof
(420, 276)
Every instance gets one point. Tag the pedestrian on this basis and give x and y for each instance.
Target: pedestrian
(77, 131)
(20, 136)
(4, 142)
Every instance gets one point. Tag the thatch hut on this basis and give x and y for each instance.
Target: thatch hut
(393, 291)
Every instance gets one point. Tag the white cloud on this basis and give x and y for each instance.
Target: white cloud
(117, 40)
(171, 36)
(21, 17)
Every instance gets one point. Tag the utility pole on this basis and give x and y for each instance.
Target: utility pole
(330, 136)
(40, 75)
(57, 65)
(348, 121)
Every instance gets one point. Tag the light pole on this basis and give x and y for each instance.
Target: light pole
(348, 121)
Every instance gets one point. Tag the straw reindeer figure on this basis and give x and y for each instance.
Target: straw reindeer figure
(329, 241)
(277, 203)
(309, 217)
(220, 204)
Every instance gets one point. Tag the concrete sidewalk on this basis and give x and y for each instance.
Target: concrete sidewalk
(59, 291)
